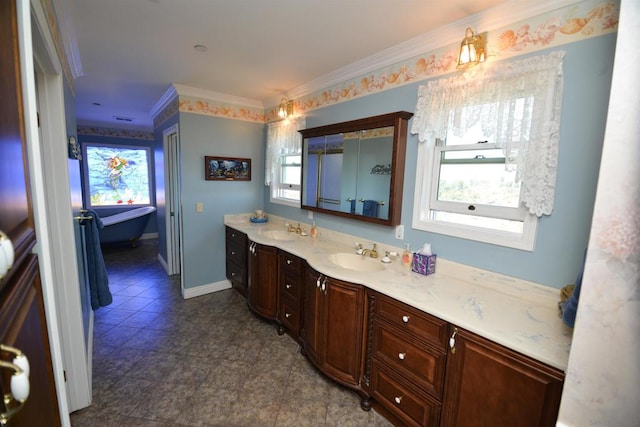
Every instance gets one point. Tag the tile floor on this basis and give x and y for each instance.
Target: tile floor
(208, 361)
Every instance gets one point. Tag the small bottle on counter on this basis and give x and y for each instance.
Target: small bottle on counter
(314, 230)
(407, 256)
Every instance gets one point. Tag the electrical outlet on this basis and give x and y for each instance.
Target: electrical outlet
(199, 207)
(400, 232)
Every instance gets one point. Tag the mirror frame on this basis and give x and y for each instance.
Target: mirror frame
(399, 120)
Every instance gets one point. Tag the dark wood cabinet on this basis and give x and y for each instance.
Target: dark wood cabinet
(236, 260)
(334, 328)
(490, 385)
(262, 286)
(398, 358)
(408, 359)
(290, 280)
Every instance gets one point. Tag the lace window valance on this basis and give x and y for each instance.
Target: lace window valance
(518, 106)
(282, 138)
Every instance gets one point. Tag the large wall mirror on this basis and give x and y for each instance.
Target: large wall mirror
(355, 169)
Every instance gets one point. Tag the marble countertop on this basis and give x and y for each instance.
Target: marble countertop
(520, 315)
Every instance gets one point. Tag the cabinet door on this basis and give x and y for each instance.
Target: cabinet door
(311, 313)
(343, 331)
(263, 267)
(489, 385)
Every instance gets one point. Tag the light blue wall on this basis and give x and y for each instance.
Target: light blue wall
(203, 234)
(562, 237)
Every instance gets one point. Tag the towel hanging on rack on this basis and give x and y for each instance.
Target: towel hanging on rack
(96, 269)
(370, 208)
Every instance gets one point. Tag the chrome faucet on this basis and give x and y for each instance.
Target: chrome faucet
(373, 252)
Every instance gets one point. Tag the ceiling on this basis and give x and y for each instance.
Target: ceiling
(128, 52)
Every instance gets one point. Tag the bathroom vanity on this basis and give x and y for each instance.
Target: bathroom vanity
(460, 347)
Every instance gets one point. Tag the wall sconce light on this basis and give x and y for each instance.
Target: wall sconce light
(286, 108)
(472, 49)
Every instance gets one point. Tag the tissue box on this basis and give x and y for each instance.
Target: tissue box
(424, 264)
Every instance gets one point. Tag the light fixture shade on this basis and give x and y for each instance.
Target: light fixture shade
(286, 108)
(472, 49)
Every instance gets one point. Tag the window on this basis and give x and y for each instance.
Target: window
(116, 175)
(471, 194)
(283, 161)
(287, 187)
(488, 154)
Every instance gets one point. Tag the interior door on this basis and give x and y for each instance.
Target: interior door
(22, 319)
(172, 190)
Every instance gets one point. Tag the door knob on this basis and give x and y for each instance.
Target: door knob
(19, 383)
(7, 254)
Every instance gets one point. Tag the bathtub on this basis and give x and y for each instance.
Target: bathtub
(125, 227)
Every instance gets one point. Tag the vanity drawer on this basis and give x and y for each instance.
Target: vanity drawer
(290, 285)
(290, 264)
(236, 253)
(236, 273)
(235, 235)
(289, 314)
(408, 404)
(422, 364)
(411, 320)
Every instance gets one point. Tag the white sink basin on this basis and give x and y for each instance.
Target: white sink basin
(356, 262)
(281, 235)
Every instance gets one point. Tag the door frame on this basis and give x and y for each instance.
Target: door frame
(32, 38)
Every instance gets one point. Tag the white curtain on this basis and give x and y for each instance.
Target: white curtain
(282, 138)
(518, 105)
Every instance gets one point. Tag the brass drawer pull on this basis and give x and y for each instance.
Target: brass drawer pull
(401, 356)
(397, 399)
(405, 319)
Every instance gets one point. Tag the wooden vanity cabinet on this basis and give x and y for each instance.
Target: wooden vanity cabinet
(408, 360)
(490, 385)
(262, 286)
(236, 259)
(334, 328)
(290, 285)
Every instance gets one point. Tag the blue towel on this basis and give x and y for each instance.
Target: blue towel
(370, 208)
(570, 307)
(96, 269)
(352, 209)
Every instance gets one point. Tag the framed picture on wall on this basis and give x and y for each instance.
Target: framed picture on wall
(218, 168)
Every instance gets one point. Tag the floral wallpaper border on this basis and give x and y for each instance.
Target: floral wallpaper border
(584, 20)
(115, 133)
(172, 108)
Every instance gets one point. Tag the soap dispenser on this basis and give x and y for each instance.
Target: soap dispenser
(314, 230)
(407, 255)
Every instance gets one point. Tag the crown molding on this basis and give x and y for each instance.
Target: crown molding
(163, 101)
(490, 19)
(68, 38)
(208, 95)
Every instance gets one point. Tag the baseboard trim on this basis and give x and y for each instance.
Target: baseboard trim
(146, 236)
(206, 289)
(163, 263)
